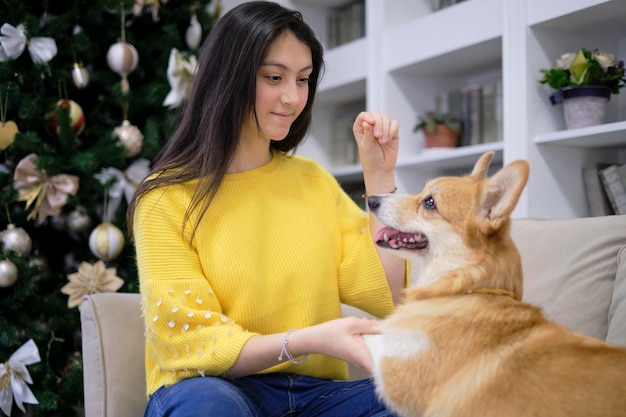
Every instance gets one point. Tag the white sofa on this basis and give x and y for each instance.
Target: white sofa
(574, 268)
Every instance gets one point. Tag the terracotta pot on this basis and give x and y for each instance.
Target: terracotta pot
(442, 137)
(582, 106)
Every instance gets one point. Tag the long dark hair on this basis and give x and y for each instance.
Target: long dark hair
(223, 93)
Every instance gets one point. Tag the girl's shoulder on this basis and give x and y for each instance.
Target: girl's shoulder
(177, 191)
(308, 166)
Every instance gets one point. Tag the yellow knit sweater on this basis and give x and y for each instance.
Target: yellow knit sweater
(281, 247)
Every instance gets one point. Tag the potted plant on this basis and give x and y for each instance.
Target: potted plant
(440, 129)
(584, 82)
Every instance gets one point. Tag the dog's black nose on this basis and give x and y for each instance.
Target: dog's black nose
(373, 202)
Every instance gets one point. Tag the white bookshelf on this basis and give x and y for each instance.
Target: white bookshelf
(411, 54)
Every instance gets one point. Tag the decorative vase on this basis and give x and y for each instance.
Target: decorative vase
(582, 106)
(442, 137)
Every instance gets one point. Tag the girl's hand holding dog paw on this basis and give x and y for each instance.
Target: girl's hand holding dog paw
(343, 339)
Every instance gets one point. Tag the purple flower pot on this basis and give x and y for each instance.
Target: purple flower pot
(582, 106)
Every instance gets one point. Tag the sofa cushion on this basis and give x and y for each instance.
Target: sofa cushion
(570, 267)
(617, 310)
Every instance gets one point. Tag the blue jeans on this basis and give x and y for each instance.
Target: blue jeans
(267, 395)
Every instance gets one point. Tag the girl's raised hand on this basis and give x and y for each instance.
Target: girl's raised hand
(377, 138)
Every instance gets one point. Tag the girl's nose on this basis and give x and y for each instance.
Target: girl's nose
(289, 94)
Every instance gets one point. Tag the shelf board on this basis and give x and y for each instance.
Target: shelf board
(347, 172)
(432, 160)
(341, 94)
(478, 57)
(454, 158)
(605, 135)
(454, 42)
(577, 15)
(323, 3)
(342, 65)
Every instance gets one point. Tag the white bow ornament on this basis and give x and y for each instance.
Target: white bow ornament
(180, 71)
(14, 41)
(125, 183)
(14, 376)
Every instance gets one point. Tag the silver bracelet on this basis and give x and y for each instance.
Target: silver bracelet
(285, 351)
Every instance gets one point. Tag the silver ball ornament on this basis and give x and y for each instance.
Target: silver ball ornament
(17, 240)
(59, 222)
(38, 263)
(78, 221)
(8, 273)
(38, 266)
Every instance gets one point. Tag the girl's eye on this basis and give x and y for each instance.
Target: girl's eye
(429, 203)
(304, 80)
(274, 77)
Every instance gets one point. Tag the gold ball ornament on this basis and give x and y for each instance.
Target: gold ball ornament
(77, 118)
(8, 273)
(106, 241)
(122, 58)
(130, 137)
(80, 75)
(16, 239)
(8, 130)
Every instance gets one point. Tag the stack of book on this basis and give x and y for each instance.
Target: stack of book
(479, 107)
(346, 24)
(343, 149)
(605, 185)
(343, 145)
(441, 4)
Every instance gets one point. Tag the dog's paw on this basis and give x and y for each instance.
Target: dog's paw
(374, 343)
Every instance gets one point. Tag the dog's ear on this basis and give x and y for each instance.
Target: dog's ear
(482, 166)
(500, 194)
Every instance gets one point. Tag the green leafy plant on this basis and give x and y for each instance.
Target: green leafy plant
(588, 68)
(429, 121)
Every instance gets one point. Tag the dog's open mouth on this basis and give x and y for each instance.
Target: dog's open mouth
(389, 237)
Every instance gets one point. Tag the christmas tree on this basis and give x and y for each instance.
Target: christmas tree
(88, 95)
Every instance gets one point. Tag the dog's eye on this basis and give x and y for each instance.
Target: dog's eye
(429, 203)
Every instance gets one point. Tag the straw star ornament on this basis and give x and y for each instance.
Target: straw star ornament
(90, 279)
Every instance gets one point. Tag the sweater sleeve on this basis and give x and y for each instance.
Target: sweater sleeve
(186, 332)
(362, 280)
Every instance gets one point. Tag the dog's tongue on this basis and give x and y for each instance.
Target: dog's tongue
(380, 235)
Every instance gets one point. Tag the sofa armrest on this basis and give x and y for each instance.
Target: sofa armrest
(113, 355)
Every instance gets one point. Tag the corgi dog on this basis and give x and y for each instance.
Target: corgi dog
(463, 343)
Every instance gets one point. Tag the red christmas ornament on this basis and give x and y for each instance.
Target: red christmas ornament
(77, 118)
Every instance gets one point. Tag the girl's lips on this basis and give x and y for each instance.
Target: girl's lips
(283, 117)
